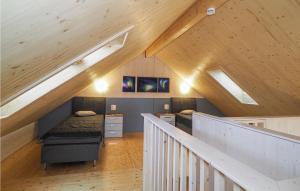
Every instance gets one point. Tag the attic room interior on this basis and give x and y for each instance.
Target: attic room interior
(152, 95)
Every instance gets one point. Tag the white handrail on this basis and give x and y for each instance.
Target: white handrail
(284, 125)
(273, 155)
(224, 168)
(269, 132)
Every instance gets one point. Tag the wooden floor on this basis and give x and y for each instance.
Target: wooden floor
(119, 168)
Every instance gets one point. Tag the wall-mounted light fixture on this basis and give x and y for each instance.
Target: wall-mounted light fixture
(113, 107)
(101, 85)
(185, 88)
(166, 107)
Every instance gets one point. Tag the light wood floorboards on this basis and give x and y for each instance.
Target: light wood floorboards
(119, 168)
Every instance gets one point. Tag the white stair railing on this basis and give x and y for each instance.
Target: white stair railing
(177, 161)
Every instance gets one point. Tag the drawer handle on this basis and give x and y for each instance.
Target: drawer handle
(112, 132)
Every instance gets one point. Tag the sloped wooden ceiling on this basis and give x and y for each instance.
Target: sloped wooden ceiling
(257, 43)
(38, 36)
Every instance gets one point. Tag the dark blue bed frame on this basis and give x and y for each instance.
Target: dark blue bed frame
(177, 105)
(70, 150)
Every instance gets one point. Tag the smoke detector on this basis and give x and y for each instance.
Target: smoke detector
(211, 11)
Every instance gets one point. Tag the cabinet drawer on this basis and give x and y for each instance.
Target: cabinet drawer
(112, 133)
(172, 123)
(167, 117)
(111, 126)
(114, 120)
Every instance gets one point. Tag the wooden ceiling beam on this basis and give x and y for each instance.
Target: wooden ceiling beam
(192, 16)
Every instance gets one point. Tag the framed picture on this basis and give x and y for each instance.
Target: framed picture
(146, 84)
(128, 84)
(163, 85)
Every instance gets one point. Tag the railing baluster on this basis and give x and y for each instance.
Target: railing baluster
(155, 158)
(237, 187)
(183, 153)
(175, 166)
(219, 181)
(192, 171)
(159, 157)
(170, 164)
(146, 155)
(204, 176)
(152, 150)
(164, 163)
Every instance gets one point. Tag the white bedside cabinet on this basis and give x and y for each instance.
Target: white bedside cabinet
(167, 117)
(114, 125)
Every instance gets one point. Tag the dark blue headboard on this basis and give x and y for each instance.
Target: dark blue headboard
(96, 104)
(61, 113)
(178, 104)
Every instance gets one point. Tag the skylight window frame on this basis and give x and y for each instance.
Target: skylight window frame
(243, 97)
(71, 62)
(22, 99)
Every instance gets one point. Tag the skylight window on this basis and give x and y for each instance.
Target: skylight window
(65, 73)
(232, 87)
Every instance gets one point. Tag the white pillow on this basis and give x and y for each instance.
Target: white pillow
(187, 112)
(84, 113)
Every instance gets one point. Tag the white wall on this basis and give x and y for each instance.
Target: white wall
(288, 125)
(270, 153)
(144, 67)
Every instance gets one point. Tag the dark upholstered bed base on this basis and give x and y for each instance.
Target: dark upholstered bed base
(70, 153)
(177, 105)
(73, 139)
(184, 128)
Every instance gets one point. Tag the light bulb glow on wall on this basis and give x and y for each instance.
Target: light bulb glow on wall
(100, 85)
(184, 88)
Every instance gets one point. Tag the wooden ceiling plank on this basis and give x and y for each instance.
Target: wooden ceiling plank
(38, 38)
(88, 23)
(251, 42)
(192, 16)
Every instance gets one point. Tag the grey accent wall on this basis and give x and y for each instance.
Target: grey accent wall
(159, 104)
(132, 109)
(53, 118)
(204, 106)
